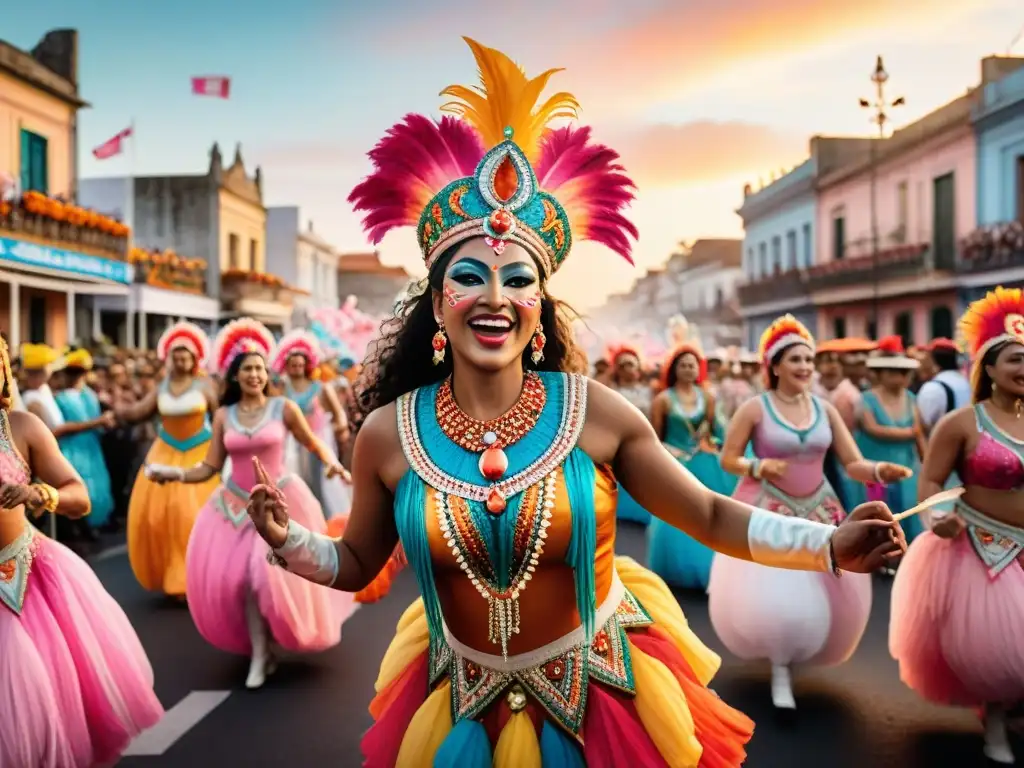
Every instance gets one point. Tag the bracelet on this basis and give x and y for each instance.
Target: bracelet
(754, 469)
(878, 474)
(836, 571)
(49, 498)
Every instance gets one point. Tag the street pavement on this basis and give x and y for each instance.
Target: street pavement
(313, 711)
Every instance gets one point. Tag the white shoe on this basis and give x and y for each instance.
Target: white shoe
(997, 742)
(257, 673)
(782, 688)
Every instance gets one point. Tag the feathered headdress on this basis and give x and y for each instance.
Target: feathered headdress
(615, 351)
(239, 337)
(298, 342)
(784, 332)
(692, 348)
(497, 171)
(185, 335)
(996, 319)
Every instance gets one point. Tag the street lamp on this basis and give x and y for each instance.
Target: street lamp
(880, 106)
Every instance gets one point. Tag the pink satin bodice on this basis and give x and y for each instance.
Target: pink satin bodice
(13, 468)
(993, 464)
(803, 450)
(265, 440)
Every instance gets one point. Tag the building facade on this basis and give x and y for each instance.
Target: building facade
(376, 285)
(218, 218)
(994, 253)
(302, 259)
(55, 255)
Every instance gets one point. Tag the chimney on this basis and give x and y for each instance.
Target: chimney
(216, 161)
(257, 179)
(58, 52)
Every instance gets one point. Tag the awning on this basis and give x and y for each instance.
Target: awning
(72, 265)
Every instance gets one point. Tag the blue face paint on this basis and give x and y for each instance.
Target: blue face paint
(469, 278)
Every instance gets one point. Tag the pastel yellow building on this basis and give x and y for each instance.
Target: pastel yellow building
(51, 251)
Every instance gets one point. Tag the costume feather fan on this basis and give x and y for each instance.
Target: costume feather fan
(188, 336)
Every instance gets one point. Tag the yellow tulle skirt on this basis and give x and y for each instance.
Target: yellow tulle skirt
(160, 519)
(672, 718)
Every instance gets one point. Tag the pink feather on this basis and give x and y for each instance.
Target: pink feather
(591, 186)
(413, 162)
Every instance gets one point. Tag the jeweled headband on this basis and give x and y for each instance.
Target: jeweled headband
(498, 172)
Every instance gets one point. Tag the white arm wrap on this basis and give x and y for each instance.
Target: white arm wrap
(779, 541)
(310, 555)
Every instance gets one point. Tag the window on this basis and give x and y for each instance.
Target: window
(944, 222)
(253, 264)
(942, 323)
(35, 174)
(808, 253)
(902, 212)
(233, 252)
(1020, 187)
(838, 236)
(791, 257)
(763, 258)
(904, 327)
(37, 320)
(838, 327)
(719, 297)
(872, 327)
(750, 268)
(776, 254)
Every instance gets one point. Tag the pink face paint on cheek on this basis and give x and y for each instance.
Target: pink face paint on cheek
(455, 299)
(527, 302)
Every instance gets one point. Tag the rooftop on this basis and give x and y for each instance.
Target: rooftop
(368, 264)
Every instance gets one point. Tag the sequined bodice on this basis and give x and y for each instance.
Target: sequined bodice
(997, 461)
(309, 402)
(13, 468)
(682, 427)
(803, 449)
(265, 440)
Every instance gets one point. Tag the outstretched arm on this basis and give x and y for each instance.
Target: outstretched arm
(54, 474)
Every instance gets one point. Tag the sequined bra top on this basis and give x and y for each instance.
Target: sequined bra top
(13, 468)
(996, 462)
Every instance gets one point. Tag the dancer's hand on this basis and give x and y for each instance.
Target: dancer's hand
(772, 469)
(868, 539)
(336, 470)
(893, 473)
(13, 495)
(267, 508)
(948, 526)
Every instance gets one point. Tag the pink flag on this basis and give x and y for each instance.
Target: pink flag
(112, 146)
(211, 85)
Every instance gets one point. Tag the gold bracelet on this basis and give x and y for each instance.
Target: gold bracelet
(50, 498)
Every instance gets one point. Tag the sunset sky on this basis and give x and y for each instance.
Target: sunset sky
(699, 97)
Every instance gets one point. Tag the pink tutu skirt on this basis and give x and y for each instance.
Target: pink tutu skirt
(75, 684)
(787, 617)
(226, 565)
(958, 634)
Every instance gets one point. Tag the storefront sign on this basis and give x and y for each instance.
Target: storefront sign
(71, 262)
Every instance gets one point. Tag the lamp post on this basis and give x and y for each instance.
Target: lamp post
(880, 106)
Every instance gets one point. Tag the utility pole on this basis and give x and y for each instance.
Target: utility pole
(880, 117)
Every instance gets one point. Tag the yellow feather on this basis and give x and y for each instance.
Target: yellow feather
(506, 97)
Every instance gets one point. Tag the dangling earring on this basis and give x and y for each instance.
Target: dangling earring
(439, 342)
(537, 343)
(1018, 408)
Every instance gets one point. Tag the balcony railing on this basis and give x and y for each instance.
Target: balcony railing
(890, 264)
(167, 270)
(781, 286)
(996, 246)
(60, 224)
(237, 284)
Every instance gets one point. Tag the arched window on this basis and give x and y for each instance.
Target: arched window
(942, 322)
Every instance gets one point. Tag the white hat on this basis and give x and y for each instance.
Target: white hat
(890, 356)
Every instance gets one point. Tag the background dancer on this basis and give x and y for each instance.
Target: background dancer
(790, 617)
(958, 599)
(77, 683)
(160, 517)
(627, 377)
(239, 603)
(683, 415)
(494, 466)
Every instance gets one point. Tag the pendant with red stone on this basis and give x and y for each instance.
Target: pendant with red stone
(495, 502)
(493, 466)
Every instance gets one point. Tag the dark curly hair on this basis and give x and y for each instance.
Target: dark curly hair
(401, 359)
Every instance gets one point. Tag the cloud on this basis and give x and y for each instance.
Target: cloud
(697, 152)
(340, 153)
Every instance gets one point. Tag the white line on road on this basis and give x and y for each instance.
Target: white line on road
(107, 554)
(177, 721)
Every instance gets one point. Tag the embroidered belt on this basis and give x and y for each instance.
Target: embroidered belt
(556, 674)
(997, 544)
(231, 501)
(15, 566)
(821, 506)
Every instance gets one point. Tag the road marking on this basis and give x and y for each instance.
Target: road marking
(107, 554)
(177, 721)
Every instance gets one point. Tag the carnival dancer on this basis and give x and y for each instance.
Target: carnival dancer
(958, 599)
(683, 415)
(79, 404)
(533, 645)
(784, 616)
(889, 426)
(75, 683)
(297, 358)
(627, 378)
(160, 517)
(238, 602)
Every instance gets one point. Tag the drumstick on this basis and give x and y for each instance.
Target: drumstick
(932, 501)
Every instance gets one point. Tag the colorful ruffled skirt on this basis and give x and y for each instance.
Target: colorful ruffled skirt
(226, 566)
(75, 684)
(788, 617)
(160, 519)
(675, 556)
(958, 614)
(637, 696)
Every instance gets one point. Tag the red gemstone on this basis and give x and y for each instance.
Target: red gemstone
(493, 463)
(438, 342)
(495, 502)
(500, 221)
